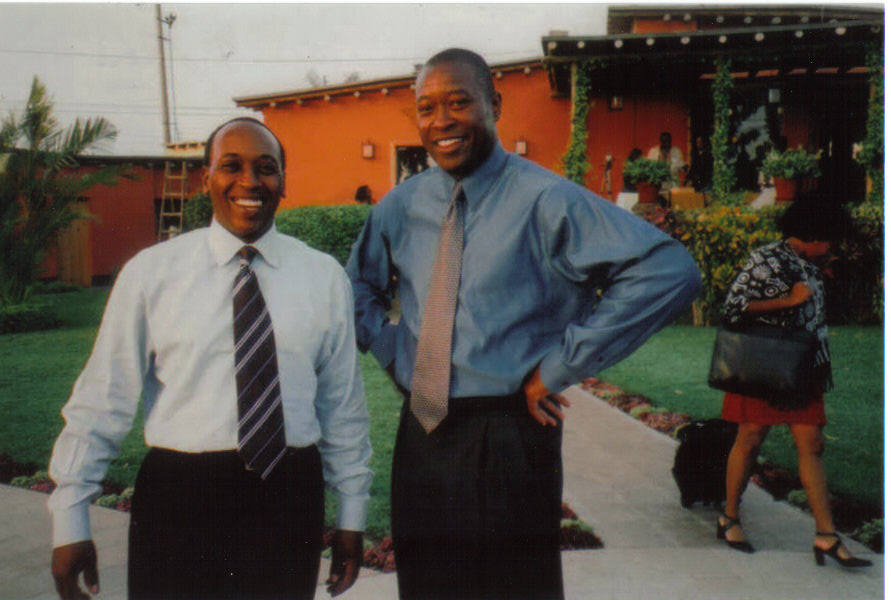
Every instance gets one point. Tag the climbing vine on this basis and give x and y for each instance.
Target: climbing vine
(575, 160)
(872, 148)
(723, 178)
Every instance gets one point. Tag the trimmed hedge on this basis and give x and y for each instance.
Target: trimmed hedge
(197, 212)
(20, 318)
(720, 239)
(331, 229)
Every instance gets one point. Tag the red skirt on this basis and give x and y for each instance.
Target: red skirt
(745, 409)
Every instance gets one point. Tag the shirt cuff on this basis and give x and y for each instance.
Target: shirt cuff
(555, 374)
(71, 525)
(384, 345)
(351, 511)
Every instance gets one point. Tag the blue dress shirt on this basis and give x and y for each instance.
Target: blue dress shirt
(538, 250)
(167, 335)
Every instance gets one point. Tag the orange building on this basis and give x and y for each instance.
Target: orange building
(799, 79)
(124, 218)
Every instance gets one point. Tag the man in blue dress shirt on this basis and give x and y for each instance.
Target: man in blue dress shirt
(556, 284)
(241, 343)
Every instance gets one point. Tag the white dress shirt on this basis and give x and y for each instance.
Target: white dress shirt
(167, 336)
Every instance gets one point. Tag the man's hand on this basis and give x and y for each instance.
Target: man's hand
(541, 404)
(346, 558)
(68, 563)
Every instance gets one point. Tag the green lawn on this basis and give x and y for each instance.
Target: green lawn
(671, 369)
(39, 369)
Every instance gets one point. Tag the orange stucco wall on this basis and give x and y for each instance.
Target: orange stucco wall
(662, 26)
(123, 220)
(323, 139)
(637, 125)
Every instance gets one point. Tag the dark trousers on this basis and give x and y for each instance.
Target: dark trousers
(202, 526)
(476, 504)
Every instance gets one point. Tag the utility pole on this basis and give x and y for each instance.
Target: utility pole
(164, 106)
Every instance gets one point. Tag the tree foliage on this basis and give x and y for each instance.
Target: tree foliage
(39, 186)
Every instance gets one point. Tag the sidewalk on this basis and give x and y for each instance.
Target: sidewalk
(616, 473)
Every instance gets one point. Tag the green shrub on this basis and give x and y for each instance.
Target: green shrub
(197, 212)
(720, 239)
(855, 292)
(644, 170)
(20, 318)
(870, 531)
(331, 229)
(792, 163)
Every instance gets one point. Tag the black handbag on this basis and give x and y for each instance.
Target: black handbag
(767, 362)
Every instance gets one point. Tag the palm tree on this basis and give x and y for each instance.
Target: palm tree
(39, 186)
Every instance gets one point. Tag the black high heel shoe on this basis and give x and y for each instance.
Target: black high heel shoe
(820, 554)
(721, 534)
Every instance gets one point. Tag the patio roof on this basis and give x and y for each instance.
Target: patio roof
(668, 59)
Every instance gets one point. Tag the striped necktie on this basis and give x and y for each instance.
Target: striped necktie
(433, 361)
(261, 424)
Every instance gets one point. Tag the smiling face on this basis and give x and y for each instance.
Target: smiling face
(456, 117)
(244, 179)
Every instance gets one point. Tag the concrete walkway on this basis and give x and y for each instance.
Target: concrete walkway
(616, 477)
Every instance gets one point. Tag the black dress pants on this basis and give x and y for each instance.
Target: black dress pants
(203, 527)
(476, 504)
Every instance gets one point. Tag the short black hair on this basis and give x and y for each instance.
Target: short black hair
(814, 217)
(481, 71)
(209, 143)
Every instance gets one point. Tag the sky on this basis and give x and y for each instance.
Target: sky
(102, 59)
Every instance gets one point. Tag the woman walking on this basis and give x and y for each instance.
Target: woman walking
(780, 285)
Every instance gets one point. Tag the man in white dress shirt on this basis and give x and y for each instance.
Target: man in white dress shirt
(209, 518)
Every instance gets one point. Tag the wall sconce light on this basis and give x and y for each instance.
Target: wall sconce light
(367, 150)
(615, 103)
(773, 95)
(520, 147)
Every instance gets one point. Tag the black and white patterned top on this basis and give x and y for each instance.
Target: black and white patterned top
(770, 272)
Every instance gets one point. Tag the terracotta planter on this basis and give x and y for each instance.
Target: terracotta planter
(647, 192)
(787, 189)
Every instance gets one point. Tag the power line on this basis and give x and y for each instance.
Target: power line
(252, 61)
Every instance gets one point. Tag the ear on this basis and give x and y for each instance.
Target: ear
(205, 181)
(496, 105)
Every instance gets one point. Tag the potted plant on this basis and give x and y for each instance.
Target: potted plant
(647, 175)
(789, 168)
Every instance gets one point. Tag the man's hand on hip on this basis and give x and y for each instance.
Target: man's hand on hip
(68, 563)
(346, 558)
(542, 404)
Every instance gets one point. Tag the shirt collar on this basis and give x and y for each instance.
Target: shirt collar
(224, 246)
(478, 183)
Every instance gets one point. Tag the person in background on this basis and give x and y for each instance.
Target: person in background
(700, 174)
(240, 341)
(499, 263)
(781, 285)
(669, 154)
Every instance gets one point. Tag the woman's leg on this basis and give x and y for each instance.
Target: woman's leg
(739, 469)
(809, 442)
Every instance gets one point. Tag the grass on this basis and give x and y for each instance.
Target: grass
(39, 370)
(671, 369)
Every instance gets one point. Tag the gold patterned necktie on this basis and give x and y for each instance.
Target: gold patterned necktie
(433, 361)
